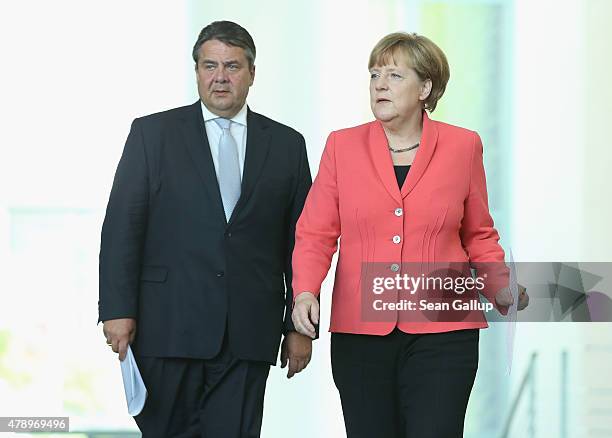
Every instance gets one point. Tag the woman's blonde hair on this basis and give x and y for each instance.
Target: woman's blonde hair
(422, 55)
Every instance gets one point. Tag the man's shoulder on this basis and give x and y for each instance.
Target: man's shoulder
(162, 117)
(277, 127)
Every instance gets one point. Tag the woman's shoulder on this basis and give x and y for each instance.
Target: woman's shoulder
(350, 139)
(353, 131)
(454, 132)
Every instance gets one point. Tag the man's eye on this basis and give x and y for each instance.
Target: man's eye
(373, 75)
(209, 66)
(232, 67)
(395, 76)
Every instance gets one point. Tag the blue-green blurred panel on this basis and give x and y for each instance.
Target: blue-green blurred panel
(476, 38)
(475, 35)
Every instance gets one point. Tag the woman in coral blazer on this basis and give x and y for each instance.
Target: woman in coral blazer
(400, 191)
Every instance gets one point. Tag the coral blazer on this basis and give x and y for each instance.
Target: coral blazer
(440, 214)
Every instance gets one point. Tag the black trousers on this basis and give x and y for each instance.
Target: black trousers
(194, 398)
(405, 385)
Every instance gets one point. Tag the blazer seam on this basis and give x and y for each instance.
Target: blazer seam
(334, 156)
(302, 156)
(471, 166)
(146, 158)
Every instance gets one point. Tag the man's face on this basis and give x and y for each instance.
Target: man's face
(223, 77)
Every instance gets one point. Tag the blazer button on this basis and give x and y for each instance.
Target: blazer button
(220, 274)
(397, 239)
(228, 234)
(399, 212)
(395, 267)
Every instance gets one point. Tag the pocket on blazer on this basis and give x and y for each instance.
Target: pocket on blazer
(157, 274)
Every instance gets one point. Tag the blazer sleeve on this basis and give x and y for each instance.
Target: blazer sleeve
(304, 181)
(478, 234)
(318, 229)
(123, 232)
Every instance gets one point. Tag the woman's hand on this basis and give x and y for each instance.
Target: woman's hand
(305, 314)
(504, 298)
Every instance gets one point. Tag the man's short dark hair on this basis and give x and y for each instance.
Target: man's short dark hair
(229, 33)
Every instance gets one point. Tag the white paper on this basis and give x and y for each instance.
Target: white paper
(512, 312)
(135, 390)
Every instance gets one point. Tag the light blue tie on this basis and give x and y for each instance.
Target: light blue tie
(229, 168)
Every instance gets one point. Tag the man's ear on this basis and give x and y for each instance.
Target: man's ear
(252, 75)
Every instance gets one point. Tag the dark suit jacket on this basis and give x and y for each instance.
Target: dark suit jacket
(168, 257)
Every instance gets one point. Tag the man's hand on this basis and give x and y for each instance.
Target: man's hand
(305, 314)
(119, 334)
(504, 298)
(295, 350)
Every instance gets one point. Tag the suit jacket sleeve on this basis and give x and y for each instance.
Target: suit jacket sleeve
(304, 181)
(318, 228)
(123, 232)
(478, 235)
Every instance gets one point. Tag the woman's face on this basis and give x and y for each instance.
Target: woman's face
(396, 91)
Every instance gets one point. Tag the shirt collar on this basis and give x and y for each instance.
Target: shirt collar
(240, 117)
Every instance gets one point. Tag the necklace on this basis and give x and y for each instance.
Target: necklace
(397, 151)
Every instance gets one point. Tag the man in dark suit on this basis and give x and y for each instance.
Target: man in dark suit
(195, 258)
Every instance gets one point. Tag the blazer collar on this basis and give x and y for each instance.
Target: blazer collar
(384, 164)
(257, 147)
(198, 147)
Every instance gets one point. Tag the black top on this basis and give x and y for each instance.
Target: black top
(400, 173)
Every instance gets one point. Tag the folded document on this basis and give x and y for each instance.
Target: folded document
(135, 390)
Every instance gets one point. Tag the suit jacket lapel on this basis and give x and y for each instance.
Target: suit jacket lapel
(196, 140)
(257, 147)
(383, 163)
(429, 138)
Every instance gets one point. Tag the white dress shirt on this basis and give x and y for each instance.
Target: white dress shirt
(238, 129)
